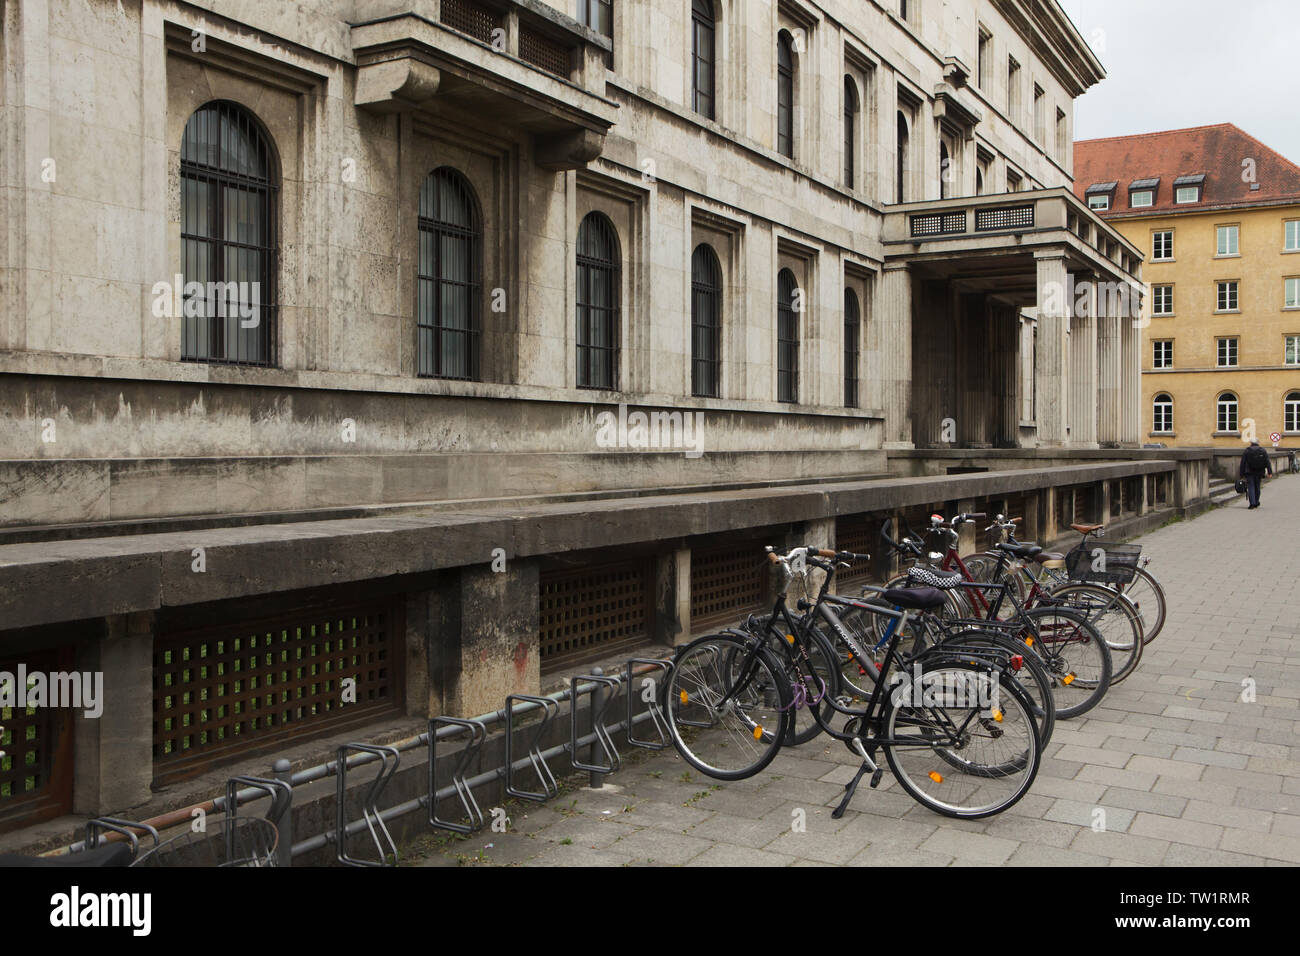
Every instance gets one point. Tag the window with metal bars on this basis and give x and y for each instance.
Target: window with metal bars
(706, 322)
(787, 337)
(703, 57)
(472, 18)
(852, 347)
(597, 303)
(850, 131)
(448, 277)
(229, 188)
(785, 94)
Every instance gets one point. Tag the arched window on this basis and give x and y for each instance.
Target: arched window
(706, 322)
(448, 277)
(900, 172)
(1227, 412)
(785, 94)
(229, 185)
(850, 131)
(597, 301)
(1291, 412)
(1162, 414)
(787, 337)
(945, 172)
(852, 347)
(703, 56)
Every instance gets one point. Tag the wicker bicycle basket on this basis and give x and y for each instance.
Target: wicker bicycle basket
(1116, 565)
(244, 841)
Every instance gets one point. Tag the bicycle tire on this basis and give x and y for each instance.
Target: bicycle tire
(824, 663)
(1114, 617)
(704, 672)
(979, 799)
(1074, 655)
(1153, 619)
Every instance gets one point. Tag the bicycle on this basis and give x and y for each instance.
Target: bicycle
(728, 703)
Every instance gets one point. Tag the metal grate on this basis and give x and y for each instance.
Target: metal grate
(726, 584)
(595, 609)
(1008, 217)
(858, 534)
(544, 53)
(472, 18)
(938, 223)
(221, 691)
(35, 782)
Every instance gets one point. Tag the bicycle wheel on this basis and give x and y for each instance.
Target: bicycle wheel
(1148, 599)
(1033, 677)
(1074, 654)
(824, 685)
(728, 706)
(1114, 617)
(983, 567)
(958, 756)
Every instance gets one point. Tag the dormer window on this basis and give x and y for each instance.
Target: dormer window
(1142, 192)
(1100, 195)
(1187, 189)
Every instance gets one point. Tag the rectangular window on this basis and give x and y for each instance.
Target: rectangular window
(1013, 182)
(1187, 194)
(1291, 293)
(1040, 115)
(1140, 198)
(1162, 300)
(1099, 202)
(1292, 233)
(1013, 90)
(1163, 353)
(1227, 301)
(985, 58)
(597, 14)
(1163, 419)
(1227, 241)
(1291, 354)
(1228, 353)
(1062, 136)
(1162, 246)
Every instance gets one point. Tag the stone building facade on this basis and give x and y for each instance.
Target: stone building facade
(406, 326)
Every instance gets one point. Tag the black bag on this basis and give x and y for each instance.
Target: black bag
(1256, 459)
(1240, 486)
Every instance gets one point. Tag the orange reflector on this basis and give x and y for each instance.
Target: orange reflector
(758, 732)
(683, 697)
(997, 715)
(1067, 679)
(789, 638)
(936, 776)
(1029, 642)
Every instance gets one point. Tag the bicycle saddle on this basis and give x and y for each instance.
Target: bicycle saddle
(916, 599)
(931, 577)
(1020, 550)
(1086, 528)
(1044, 557)
(113, 854)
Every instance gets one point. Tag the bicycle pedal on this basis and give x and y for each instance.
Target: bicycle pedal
(875, 778)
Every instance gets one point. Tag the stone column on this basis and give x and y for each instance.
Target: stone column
(113, 752)
(1051, 363)
(895, 319)
(1025, 382)
(1083, 369)
(1108, 377)
(672, 621)
(1130, 380)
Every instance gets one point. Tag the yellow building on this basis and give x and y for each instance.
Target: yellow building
(1217, 214)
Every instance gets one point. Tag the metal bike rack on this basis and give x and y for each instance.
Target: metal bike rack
(599, 704)
(124, 827)
(369, 805)
(281, 795)
(550, 710)
(656, 712)
(477, 734)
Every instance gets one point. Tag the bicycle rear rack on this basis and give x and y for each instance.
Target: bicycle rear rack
(369, 805)
(550, 710)
(477, 734)
(656, 712)
(599, 704)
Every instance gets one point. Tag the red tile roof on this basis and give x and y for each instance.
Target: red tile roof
(1219, 152)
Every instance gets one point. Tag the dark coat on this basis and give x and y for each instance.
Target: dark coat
(1255, 461)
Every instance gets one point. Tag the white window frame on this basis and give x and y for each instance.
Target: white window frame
(1291, 235)
(1158, 406)
(1099, 201)
(1162, 357)
(1291, 350)
(1230, 248)
(1290, 413)
(1291, 293)
(1179, 192)
(1219, 404)
(1166, 291)
(1227, 288)
(1231, 350)
(1155, 247)
(1133, 198)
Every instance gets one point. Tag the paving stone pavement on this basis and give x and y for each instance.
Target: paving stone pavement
(1187, 772)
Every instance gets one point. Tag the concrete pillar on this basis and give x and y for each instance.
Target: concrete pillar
(1130, 381)
(113, 753)
(1051, 370)
(672, 621)
(1083, 370)
(1025, 409)
(818, 534)
(895, 319)
(1108, 380)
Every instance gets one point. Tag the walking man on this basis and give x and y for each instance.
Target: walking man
(1254, 463)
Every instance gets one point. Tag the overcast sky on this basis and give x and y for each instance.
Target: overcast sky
(1177, 63)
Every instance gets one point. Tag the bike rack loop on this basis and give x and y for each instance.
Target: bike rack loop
(369, 809)
(655, 712)
(550, 710)
(599, 704)
(281, 795)
(477, 734)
